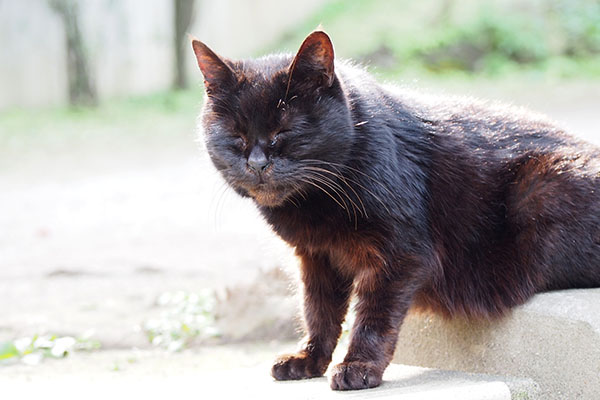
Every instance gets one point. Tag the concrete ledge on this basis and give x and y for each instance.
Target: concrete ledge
(554, 339)
(400, 382)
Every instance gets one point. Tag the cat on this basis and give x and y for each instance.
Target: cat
(452, 205)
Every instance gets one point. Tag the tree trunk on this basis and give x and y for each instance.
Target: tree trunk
(184, 10)
(81, 88)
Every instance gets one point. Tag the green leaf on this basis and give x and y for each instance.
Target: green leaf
(8, 350)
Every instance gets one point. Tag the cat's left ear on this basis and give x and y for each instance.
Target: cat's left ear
(314, 60)
(217, 74)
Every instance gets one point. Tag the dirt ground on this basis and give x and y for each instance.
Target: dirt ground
(92, 235)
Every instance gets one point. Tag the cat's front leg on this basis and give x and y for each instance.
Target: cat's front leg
(382, 305)
(326, 296)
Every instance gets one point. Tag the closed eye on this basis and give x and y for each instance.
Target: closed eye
(240, 142)
(276, 138)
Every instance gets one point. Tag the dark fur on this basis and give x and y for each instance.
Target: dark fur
(459, 207)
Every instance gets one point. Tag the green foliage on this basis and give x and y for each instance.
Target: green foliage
(538, 37)
(135, 108)
(185, 317)
(485, 45)
(469, 37)
(8, 350)
(521, 396)
(580, 23)
(161, 117)
(32, 350)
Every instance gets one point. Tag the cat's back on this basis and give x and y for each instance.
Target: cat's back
(460, 125)
(485, 124)
(514, 203)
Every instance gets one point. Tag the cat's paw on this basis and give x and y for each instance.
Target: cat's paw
(297, 366)
(355, 375)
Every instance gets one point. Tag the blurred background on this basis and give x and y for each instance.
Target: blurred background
(122, 253)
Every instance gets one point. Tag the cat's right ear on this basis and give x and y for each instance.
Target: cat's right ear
(217, 74)
(314, 60)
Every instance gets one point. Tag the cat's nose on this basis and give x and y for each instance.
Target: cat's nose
(257, 160)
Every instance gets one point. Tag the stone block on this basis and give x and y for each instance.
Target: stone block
(554, 339)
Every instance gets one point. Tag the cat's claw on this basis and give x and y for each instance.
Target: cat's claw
(355, 375)
(296, 366)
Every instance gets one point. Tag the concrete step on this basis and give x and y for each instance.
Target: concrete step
(238, 371)
(553, 339)
(400, 382)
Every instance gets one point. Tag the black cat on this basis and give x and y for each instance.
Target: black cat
(405, 200)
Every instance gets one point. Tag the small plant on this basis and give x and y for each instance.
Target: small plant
(186, 317)
(32, 350)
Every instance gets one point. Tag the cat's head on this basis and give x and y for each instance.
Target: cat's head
(268, 123)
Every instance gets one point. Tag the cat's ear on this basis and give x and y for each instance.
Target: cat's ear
(314, 60)
(217, 74)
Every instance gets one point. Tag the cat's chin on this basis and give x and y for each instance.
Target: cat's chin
(268, 198)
